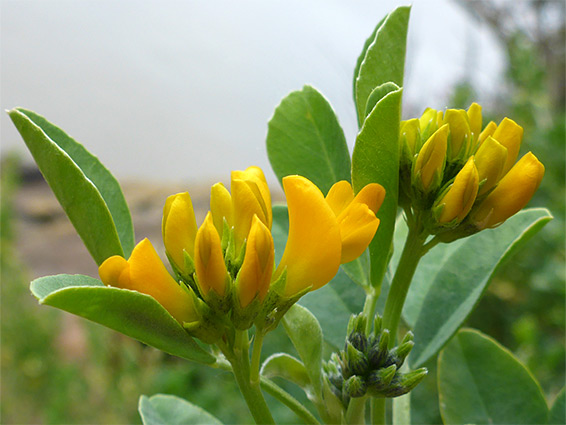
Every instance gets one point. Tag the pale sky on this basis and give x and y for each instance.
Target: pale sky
(177, 90)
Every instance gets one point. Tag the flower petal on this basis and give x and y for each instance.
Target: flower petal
(357, 228)
(313, 250)
(340, 196)
(179, 227)
(209, 260)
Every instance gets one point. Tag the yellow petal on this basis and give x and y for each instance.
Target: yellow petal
(410, 138)
(313, 250)
(255, 274)
(371, 195)
(358, 225)
(221, 207)
(512, 193)
(510, 135)
(490, 160)
(487, 131)
(209, 261)
(475, 120)
(431, 158)
(148, 275)
(255, 174)
(340, 196)
(460, 197)
(115, 271)
(179, 228)
(460, 134)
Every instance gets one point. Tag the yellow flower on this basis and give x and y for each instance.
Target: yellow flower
(313, 251)
(487, 131)
(221, 207)
(430, 162)
(255, 274)
(509, 134)
(460, 133)
(209, 260)
(250, 196)
(179, 228)
(410, 139)
(475, 120)
(144, 272)
(355, 215)
(490, 160)
(459, 199)
(512, 193)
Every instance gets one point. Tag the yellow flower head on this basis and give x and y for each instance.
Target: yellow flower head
(512, 193)
(144, 272)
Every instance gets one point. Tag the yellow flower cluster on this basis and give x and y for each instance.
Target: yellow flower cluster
(465, 176)
(228, 262)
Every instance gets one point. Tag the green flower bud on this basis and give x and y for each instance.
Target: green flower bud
(356, 360)
(377, 353)
(355, 386)
(380, 379)
(403, 383)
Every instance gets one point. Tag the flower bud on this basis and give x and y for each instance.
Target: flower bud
(509, 134)
(405, 382)
(458, 200)
(355, 386)
(377, 353)
(356, 360)
(460, 134)
(487, 131)
(145, 272)
(250, 196)
(429, 122)
(221, 207)
(429, 165)
(410, 140)
(490, 160)
(209, 261)
(254, 276)
(380, 379)
(179, 229)
(475, 120)
(512, 193)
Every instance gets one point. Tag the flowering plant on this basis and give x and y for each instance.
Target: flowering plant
(250, 267)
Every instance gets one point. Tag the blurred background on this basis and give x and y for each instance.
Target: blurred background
(172, 95)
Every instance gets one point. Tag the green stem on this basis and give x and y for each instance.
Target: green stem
(240, 362)
(356, 413)
(256, 356)
(412, 253)
(288, 400)
(369, 308)
(377, 411)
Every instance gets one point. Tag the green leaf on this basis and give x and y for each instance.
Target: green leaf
(163, 409)
(280, 230)
(129, 312)
(358, 270)
(363, 53)
(88, 193)
(376, 160)
(306, 335)
(333, 304)
(452, 277)
(287, 367)
(305, 138)
(557, 413)
(481, 382)
(384, 58)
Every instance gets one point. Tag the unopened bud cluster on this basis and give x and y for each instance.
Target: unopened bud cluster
(462, 177)
(367, 366)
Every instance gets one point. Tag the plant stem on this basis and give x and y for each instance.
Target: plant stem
(369, 307)
(377, 412)
(256, 356)
(288, 400)
(412, 253)
(356, 413)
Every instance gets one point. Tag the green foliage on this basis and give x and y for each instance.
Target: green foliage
(376, 159)
(167, 409)
(452, 277)
(305, 138)
(482, 382)
(287, 367)
(382, 59)
(132, 313)
(557, 414)
(89, 194)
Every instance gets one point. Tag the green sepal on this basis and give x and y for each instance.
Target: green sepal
(355, 386)
(356, 360)
(243, 317)
(210, 327)
(380, 379)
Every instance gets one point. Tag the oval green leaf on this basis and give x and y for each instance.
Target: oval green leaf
(287, 367)
(132, 313)
(76, 188)
(557, 413)
(481, 382)
(376, 160)
(161, 409)
(306, 335)
(452, 277)
(384, 58)
(305, 138)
